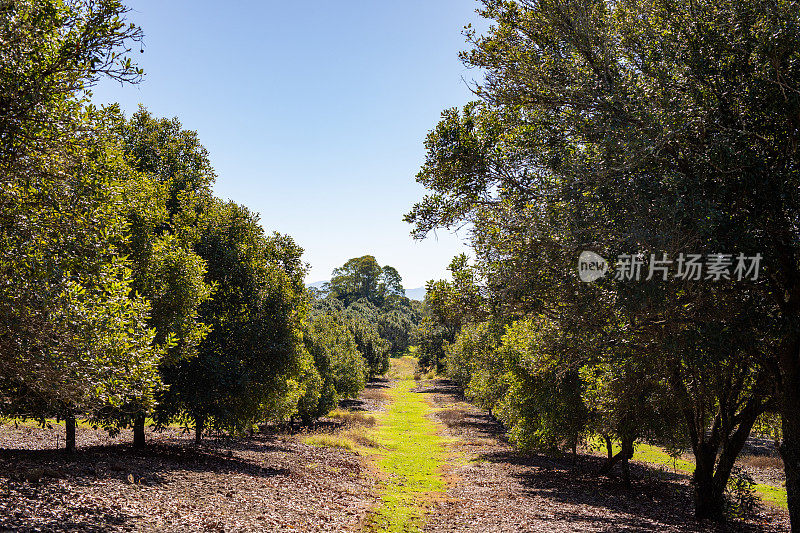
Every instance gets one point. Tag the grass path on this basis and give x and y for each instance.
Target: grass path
(410, 456)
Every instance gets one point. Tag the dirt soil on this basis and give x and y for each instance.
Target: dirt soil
(493, 488)
(261, 483)
(274, 482)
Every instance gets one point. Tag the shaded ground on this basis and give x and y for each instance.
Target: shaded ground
(760, 458)
(494, 488)
(257, 484)
(277, 483)
(372, 398)
(764, 468)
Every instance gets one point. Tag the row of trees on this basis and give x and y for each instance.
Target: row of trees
(358, 320)
(127, 290)
(638, 127)
(73, 333)
(372, 298)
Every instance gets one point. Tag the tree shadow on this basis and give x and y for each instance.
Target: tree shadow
(760, 447)
(655, 498)
(378, 383)
(39, 488)
(441, 386)
(260, 443)
(119, 461)
(354, 404)
(481, 424)
(371, 396)
(97, 521)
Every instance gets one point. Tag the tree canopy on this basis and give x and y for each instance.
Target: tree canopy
(127, 289)
(72, 335)
(363, 277)
(652, 128)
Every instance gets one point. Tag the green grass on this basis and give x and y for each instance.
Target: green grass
(411, 456)
(330, 441)
(774, 495)
(648, 453)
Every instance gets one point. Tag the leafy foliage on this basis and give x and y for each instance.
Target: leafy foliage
(255, 344)
(339, 369)
(652, 127)
(363, 278)
(71, 334)
(377, 313)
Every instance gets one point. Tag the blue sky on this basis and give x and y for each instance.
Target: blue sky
(314, 113)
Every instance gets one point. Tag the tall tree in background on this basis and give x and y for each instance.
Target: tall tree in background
(363, 277)
(391, 283)
(358, 278)
(378, 313)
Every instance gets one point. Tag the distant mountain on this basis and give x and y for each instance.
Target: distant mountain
(414, 294)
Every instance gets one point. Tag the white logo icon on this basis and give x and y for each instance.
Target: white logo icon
(591, 266)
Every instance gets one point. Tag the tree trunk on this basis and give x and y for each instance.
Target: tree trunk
(709, 503)
(623, 455)
(199, 425)
(790, 447)
(609, 447)
(69, 421)
(626, 472)
(138, 432)
(711, 475)
(627, 451)
(790, 452)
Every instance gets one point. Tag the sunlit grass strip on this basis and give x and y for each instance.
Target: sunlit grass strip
(647, 453)
(412, 456)
(773, 495)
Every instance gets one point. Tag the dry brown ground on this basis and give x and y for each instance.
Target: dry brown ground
(261, 483)
(256, 484)
(277, 483)
(493, 488)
